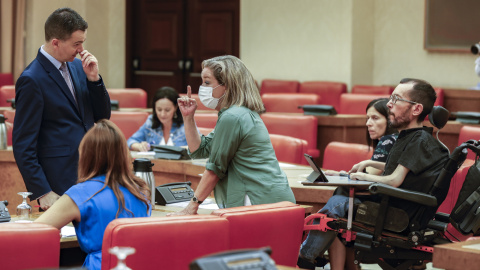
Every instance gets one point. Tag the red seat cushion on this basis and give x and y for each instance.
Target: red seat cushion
(165, 242)
(299, 126)
(356, 103)
(129, 97)
(342, 156)
(469, 133)
(279, 86)
(206, 120)
(6, 92)
(289, 103)
(29, 246)
(288, 149)
(277, 225)
(329, 92)
(373, 89)
(129, 122)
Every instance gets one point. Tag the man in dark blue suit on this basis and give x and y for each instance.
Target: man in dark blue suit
(58, 98)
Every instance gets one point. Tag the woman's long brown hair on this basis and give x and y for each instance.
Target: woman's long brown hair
(103, 150)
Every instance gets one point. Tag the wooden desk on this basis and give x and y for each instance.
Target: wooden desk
(166, 171)
(457, 255)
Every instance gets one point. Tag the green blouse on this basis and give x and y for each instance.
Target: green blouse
(240, 153)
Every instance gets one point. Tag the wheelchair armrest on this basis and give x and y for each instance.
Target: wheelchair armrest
(413, 196)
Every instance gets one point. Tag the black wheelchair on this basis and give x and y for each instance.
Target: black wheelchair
(386, 236)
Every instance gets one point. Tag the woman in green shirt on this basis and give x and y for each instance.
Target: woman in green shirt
(242, 168)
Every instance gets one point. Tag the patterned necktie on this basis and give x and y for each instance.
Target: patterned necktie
(66, 76)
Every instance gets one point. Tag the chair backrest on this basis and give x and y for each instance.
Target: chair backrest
(38, 244)
(200, 105)
(9, 117)
(356, 103)
(342, 156)
(6, 92)
(289, 149)
(278, 225)
(165, 242)
(289, 103)
(440, 97)
(469, 133)
(6, 79)
(373, 89)
(329, 92)
(129, 97)
(304, 127)
(206, 120)
(279, 86)
(129, 122)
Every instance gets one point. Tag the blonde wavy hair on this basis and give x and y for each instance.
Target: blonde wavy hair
(241, 89)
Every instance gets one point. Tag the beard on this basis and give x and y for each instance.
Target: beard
(399, 122)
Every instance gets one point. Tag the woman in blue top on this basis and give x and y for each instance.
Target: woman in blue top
(106, 189)
(164, 126)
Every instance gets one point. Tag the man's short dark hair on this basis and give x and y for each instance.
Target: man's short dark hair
(62, 23)
(422, 93)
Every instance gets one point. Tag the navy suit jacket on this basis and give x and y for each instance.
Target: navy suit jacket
(49, 126)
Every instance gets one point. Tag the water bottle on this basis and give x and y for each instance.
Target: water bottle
(142, 168)
(3, 133)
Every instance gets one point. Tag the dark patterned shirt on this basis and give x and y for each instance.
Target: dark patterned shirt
(385, 144)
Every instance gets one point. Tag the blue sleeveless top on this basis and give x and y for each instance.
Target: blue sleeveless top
(97, 212)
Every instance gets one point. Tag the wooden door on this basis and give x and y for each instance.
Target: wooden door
(167, 40)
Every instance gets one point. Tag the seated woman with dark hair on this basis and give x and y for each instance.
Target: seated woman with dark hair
(106, 189)
(164, 126)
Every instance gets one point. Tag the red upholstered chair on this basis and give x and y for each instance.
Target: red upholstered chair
(289, 149)
(165, 242)
(129, 122)
(356, 103)
(38, 244)
(329, 92)
(6, 79)
(440, 97)
(206, 120)
(129, 97)
(452, 196)
(279, 86)
(6, 92)
(469, 133)
(342, 156)
(9, 117)
(373, 89)
(277, 102)
(278, 225)
(200, 105)
(298, 126)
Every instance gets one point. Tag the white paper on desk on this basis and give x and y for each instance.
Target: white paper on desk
(472, 246)
(286, 165)
(207, 204)
(68, 231)
(149, 153)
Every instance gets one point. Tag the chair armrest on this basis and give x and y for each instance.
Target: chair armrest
(413, 196)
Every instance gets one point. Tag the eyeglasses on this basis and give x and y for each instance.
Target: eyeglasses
(395, 98)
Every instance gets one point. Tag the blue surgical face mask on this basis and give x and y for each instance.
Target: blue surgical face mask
(205, 93)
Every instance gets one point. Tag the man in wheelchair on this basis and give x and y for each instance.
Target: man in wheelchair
(413, 165)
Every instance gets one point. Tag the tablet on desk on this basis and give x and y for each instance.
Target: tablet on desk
(317, 177)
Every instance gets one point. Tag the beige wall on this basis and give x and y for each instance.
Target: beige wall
(356, 42)
(105, 34)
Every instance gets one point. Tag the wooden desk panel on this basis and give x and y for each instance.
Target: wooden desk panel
(457, 256)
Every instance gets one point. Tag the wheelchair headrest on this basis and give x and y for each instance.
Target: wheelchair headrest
(438, 116)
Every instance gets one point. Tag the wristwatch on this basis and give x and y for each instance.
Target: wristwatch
(195, 199)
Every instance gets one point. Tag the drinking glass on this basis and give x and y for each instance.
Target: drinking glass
(24, 209)
(121, 253)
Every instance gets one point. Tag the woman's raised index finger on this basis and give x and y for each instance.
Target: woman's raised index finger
(189, 91)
